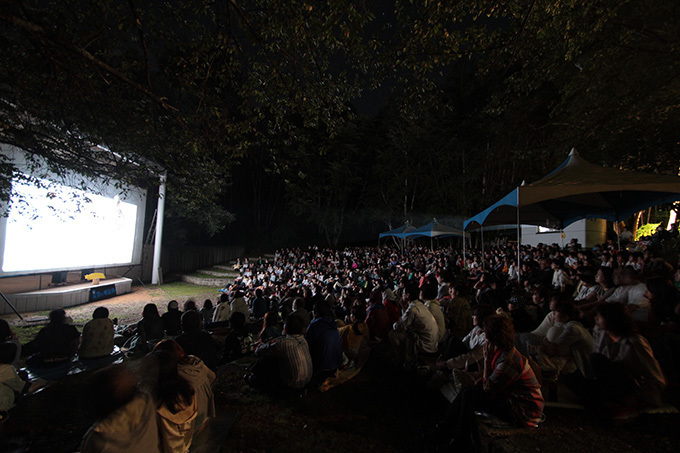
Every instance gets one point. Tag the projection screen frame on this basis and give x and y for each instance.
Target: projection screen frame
(134, 195)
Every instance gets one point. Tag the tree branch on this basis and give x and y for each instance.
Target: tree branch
(37, 29)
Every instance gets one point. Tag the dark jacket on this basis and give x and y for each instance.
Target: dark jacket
(324, 344)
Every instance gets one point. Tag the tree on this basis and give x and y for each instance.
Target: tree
(187, 87)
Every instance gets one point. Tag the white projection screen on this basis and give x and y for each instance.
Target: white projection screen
(52, 226)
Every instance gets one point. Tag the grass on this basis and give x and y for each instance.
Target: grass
(203, 275)
(178, 290)
(26, 334)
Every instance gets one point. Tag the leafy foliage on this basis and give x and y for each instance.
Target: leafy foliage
(477, 96)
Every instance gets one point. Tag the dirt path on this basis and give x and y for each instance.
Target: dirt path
(126, 307)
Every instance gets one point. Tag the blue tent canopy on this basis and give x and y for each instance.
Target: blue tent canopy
(400, 232)
(436, 229)
(578, 190)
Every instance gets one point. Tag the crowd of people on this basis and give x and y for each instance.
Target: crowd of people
(503, 330)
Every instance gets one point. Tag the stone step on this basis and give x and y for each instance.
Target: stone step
(207, 280)
(226, 267)
(219, 272)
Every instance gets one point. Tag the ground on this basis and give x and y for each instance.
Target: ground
(383, 409)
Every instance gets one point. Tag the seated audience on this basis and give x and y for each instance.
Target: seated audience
(259, 305)
(377, 319)
(172, 319)
(567, 345)
(190, 305)
(197, 374)
(97, 340)
(354, 337)
(458, 313)
(239, 304)
(176, 405)
(270, 327)
(284, 364)
(238, 342)
(428, 294)
(507, 388)
(196, 342)
(7, 335)
(416, 333)
(222, 312)
(126, 417)
(300, 311)
(55, 344)
(626, 376)
(12, 385)
(470, 351)
(207, 312)
(324, 342)
(149, 328)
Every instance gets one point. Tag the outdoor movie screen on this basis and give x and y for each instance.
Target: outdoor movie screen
(54, 227)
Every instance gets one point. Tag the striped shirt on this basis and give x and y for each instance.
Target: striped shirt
(512, 376)
(295, 362)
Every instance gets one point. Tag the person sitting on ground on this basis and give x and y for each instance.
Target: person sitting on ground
(663, 330)
(416, 333)
(8, 335)
(467, 353)
(172, 319)
(560, 279)
(126, 417)
(55, 344)
(631, 293)
(391, 305)
(526, 340)
(207, 312)
(664, 299)
(97, 340)
(222, 312)
(149, 328)
(377, 319)
(354, 337)
(300, 311)
(12, 384)
(588, 288)
(428, 294)
(270, 327)
(604, 277)
(458, 313)
(627, 377)
(195, 371)
(567, 345)
(284, 364)
(239, 342)
(239, 304)
(190, 304)
(443, 280)
(196, 342)
(507, 388)
(176, 405)
(259, 305)
(521, 319)
(324, 342)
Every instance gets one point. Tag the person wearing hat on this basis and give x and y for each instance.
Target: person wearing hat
(172, 319)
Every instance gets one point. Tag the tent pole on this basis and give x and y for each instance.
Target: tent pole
(519, 243)
(483, 264)
(464, 262)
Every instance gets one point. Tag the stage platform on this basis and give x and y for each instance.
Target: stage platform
(66, 296)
